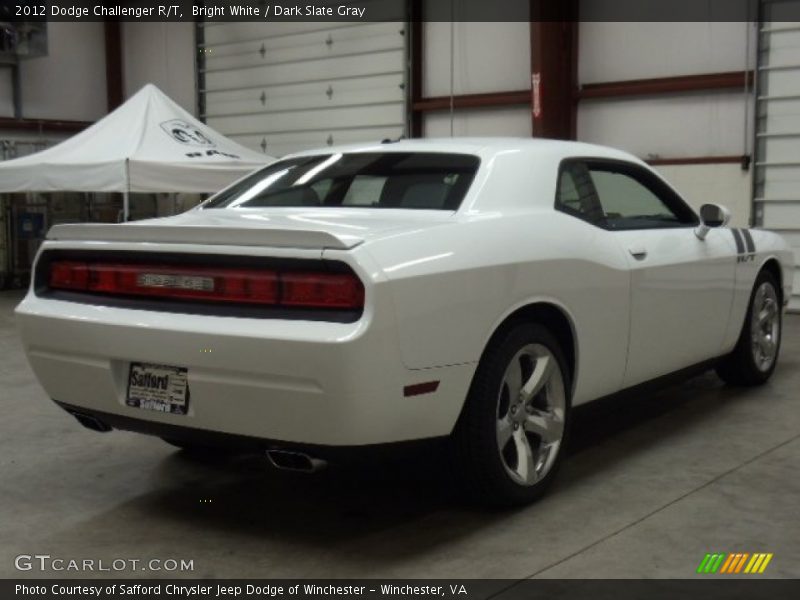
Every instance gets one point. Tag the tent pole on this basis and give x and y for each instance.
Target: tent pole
(126, 201)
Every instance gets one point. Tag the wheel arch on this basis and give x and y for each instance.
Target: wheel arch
(773, 266)
(552, 315)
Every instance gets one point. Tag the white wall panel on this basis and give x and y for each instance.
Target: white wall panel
(781, 45)
(322, 69)
(300, 85)
(725, 184)
(779, 183)
(480, 122)
(782, 215)
(777, 148)
(369, 91)
(669, 126)
(340, 41)
(70, 82)
(344, 117)
(488, 57)
(782, 79)
(162, 54)
(295, 141)
(613, 51)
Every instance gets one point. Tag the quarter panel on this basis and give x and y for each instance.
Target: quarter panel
(452, 291)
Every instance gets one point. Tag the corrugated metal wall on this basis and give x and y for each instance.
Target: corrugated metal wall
(777, 178)
(284, 87)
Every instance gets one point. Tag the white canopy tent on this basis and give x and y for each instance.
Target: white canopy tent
(149, 144)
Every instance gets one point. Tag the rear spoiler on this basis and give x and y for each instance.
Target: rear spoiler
(189, 234)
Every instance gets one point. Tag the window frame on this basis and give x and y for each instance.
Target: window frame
(645, 178)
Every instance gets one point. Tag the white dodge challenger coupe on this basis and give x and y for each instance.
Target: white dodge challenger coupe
(470, 289)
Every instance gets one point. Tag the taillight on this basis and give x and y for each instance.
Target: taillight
(66, 275)
(211, 284)
(321, 290)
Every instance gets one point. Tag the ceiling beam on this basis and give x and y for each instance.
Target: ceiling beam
(667, 85)
(490, 99)
(700, 160)
(42, 125)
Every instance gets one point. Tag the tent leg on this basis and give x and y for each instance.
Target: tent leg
(126, 206)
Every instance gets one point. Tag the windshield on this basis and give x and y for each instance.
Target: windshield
(412, 180)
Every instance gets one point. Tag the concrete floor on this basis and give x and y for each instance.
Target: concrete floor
(651, 485)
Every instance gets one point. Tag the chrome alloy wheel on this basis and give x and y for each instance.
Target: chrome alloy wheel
(765, 326)
(531, 406)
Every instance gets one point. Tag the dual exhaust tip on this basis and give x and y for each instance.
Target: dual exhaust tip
(295, 461)
(281, 459)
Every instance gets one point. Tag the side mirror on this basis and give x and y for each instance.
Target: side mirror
(711, 215)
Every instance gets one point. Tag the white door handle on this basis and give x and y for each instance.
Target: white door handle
(638, 252)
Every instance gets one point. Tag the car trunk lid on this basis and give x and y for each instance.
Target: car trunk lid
(340, 229)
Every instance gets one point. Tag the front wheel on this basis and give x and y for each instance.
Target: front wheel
(510, 438)
(756, 353)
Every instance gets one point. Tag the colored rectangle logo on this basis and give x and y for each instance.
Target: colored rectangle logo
(734, 563)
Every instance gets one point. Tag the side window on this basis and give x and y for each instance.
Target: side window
(627, 204)
(617, 195)
(576, 194)
(631, 199)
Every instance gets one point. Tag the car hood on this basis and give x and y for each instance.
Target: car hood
(339, 228)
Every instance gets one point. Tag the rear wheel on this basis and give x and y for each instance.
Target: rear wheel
(756, 353)
(509, 440)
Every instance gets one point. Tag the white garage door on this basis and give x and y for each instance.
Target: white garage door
(777, 176)
(283, 87)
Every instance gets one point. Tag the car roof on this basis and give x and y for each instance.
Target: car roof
(485, 147)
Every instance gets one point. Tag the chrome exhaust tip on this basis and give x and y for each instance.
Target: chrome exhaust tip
(91, 422)
(295, 461)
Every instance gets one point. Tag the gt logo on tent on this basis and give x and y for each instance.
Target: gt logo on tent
(183, 132)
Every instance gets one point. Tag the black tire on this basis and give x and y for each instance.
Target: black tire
(478, 462)
(742, 367)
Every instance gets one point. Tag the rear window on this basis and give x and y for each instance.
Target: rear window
(412, 180)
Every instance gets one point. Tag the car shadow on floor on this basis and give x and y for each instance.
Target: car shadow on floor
(606, 418)
(390, 511)
(618, 428)
(243, 493)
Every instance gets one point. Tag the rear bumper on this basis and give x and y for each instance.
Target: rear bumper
(287, 382)
(214, 439)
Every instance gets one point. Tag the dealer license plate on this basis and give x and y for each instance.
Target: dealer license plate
(158, 387)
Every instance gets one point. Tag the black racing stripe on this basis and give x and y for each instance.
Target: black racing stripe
(748, 238)
(739, 243)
